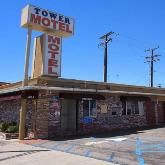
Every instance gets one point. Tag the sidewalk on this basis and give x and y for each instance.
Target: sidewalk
(14, 153)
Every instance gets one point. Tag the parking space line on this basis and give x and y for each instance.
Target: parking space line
(38, 145)
(138, 152)
(88, 153)
(111, 157)
(69, 148)
(158, 146)
(152, 151)
(55, 147)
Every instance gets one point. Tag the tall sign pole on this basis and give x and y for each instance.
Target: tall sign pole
(27, 56)
(25, 83)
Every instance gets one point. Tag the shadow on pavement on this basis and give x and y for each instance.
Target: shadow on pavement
(26, 152)
(23, 151)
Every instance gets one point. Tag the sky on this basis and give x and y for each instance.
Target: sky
(139, 23)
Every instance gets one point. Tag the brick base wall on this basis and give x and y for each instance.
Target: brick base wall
(54, 118)
(9, 111)
(105, 121)
(46, 116)
(43, 115)
(161, 113)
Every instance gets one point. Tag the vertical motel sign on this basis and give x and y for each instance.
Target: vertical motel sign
(47, 56)
(47, 48)
(52, 54)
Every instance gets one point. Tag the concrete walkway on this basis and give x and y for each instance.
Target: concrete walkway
(14, 153)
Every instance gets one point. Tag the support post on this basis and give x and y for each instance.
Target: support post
(27, 55)
(22, 119)
(25, 83)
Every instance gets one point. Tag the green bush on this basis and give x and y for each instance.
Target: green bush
(13, 124)
(9, 127)
(12, 129)
(3, 126)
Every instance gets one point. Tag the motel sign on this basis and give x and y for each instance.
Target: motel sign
(47, 21)
(47, 47)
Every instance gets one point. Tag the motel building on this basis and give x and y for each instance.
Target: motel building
(47, 106)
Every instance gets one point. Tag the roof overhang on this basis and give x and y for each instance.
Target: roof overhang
(79, 90)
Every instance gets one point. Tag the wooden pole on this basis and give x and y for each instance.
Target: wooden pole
(22, 119)
(105, 59)
(27, 55)
(25, 83)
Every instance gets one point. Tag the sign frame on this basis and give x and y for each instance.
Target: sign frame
(59, 24)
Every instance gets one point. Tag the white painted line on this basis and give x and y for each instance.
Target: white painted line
(116, 139)
(92, 143)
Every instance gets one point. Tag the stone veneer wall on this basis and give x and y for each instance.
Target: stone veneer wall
(45, 116)
(54, 118)
(42, 117)
(9, 111)
(105, 121)
(29, 112)
(161, 116)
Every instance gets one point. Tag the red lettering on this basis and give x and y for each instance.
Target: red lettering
(45, 21)
(61, 26)
(67, 29)
(53, 54)
(54, 24)
(53, 50)
(53, 39)
(53, 47)
(50, 71)
(35, 19)
(52, 62)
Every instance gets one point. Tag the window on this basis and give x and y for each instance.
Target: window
(89, 107)
(114, 113)
(124, 108)
(132, 107)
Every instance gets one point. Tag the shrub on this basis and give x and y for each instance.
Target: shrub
(3, 127)
(13, 123)
(12, 129)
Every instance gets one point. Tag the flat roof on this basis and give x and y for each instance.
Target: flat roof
(72, 85)
(3, 83)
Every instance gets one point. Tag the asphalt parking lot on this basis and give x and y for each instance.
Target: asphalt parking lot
(12, 152)
(128, 147)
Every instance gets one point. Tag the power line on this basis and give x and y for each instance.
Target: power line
(151, 59)
(139, 44)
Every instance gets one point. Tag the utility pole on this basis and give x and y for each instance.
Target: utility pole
(151, 59)
(106, 39)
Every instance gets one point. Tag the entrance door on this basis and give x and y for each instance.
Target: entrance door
(68, 116)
